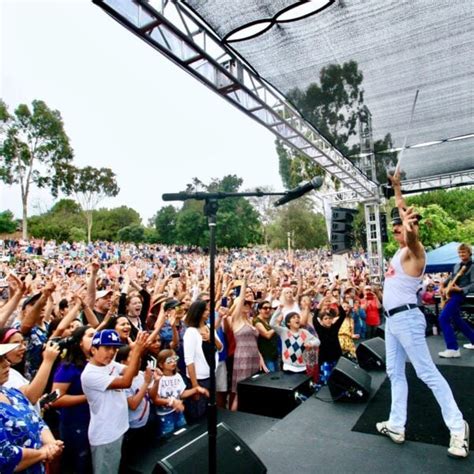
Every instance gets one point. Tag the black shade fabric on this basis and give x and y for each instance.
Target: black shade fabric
(399, 45)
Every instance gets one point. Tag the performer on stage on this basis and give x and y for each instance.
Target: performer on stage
(460, 283)
(405, 333)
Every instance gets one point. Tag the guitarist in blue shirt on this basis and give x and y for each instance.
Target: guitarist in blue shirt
(454, 289)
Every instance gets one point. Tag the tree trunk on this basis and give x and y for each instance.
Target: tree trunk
(24, 223)
(89, 225)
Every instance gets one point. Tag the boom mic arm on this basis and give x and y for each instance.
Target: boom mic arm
(300, 190)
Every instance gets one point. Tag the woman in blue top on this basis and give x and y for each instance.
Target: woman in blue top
(73, 406)
(26, 443)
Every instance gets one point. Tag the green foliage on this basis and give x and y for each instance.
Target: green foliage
(165, 224)
(191, 225)
(34, 150)
(238, 222)
(65, 221)
(307, 228)
(151, 235)
(58, 222)
(333, 107)
(90, 186)
(109, 221)
(132, 233)
(77, 235)
(437, 228)
(465, 232)
(458, 203)
(7, 222)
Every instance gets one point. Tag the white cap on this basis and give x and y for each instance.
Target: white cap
(6, 348)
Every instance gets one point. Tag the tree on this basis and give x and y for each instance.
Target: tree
(191, 226)
(107, 222)
(34, 150)
(90, 186)
(437, 228)
(132, 233)
(165, 224)
(333, 108)
(307, 228)
(58, 223)
(265, 209)
(7, 222)
(458, 203)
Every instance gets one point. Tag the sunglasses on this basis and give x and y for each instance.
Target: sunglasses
(266, 307)
(171, 359)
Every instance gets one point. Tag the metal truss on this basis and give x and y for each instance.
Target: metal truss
(185, 39)
(442, 181)
(374, 242)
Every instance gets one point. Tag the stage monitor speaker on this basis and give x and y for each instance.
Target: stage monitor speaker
(233, 456)
(380, 331)
(274, 394)
(371, 354)
(349, 382)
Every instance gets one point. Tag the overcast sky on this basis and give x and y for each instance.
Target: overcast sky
(124, 106)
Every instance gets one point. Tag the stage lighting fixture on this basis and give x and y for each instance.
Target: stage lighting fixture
(248, 31)
(297, 11)
(301, 10)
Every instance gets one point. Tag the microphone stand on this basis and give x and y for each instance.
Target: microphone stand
(210, 210)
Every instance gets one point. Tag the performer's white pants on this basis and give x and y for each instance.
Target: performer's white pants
(405, 338)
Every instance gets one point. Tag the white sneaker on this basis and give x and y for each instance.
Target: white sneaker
(459, 444)
(450, 353)
(468, 346)
(383, 428)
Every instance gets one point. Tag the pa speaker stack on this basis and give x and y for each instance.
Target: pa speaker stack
(349, 382)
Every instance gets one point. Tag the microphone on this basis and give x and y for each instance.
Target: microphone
(184, 196)
(297, 192)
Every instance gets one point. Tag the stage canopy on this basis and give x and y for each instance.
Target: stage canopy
(399, 47)
(443, 258)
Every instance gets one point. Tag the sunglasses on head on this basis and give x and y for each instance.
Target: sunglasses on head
(171, 359)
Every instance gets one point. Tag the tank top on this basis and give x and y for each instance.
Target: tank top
(400, 288)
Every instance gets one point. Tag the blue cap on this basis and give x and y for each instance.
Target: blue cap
(106, 337)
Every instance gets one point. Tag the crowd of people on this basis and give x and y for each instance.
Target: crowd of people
(117, 337)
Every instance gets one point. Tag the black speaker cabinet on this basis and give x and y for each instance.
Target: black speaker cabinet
(380, 331)
(371, 354)
(349, 382)
(233, 456)
(274, 394)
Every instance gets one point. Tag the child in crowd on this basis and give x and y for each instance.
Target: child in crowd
(103, 382)
(171, 392)
(327, 325)
(346, 334)
(295, 341)
(140, 415)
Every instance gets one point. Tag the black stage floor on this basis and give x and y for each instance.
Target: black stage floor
(317, 437)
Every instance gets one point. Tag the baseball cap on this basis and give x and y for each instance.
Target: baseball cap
(106, 337)
(172, 304)
(6, 348)
(102, 294)
(31, 300)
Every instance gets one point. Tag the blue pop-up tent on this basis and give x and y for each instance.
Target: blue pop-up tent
(443, 258)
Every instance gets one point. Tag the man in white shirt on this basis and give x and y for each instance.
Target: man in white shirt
(103, 382)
